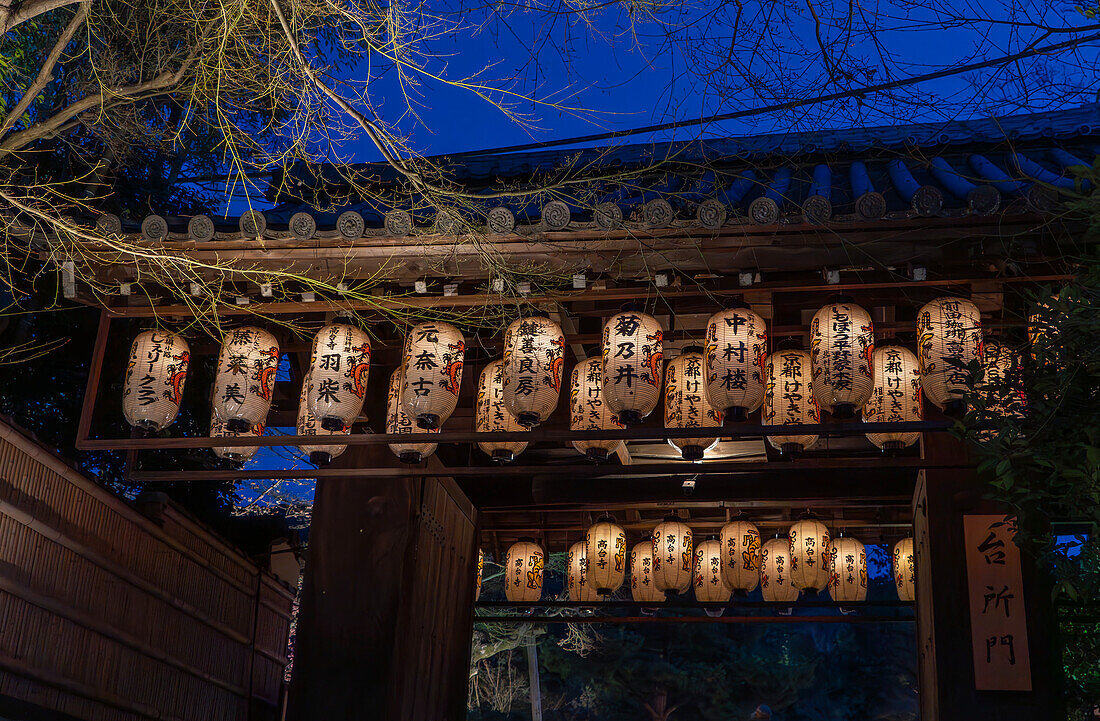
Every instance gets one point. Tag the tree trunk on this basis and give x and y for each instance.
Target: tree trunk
(533, 678)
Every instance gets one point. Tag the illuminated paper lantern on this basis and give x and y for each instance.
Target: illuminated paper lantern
(643, 587)
(523, 571)
(740, 541)
(240, 454)
(605, 549)
(788, 399)
(686, 403)
(905, 570)
(155, 375)
(339, 363)
(308, 426)
(534, 353)
(947, 328)
(245, 381)
(492, 417)
(433, 373)
(1042, 327)
(842, 341)
(895, 397)
(709, 581)
(398, 422)
(673, 556)
(576, 565)
(588, 412)
(736, 346)
(632, 365)
(480, 570)
(810, 548)
(1001, 385)
(775, 572)
(847, 568)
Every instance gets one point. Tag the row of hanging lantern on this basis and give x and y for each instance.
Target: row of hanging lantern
(807, 560)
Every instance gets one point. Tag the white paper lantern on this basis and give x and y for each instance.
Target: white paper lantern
(775, 572)
(788, 399)
(233, 453)
(523, 572)
(643, 587)
(155, 376)
(905, 570)
(398, 422)
(947, 328)
(632, 365)
(339, 363)
(810, 547)
(1001, 385)
(480, 570)
(588, 412)
(847, 568)
(245, 382)
(896, 396)
(842, 341)
(709, 581)
(673, 556)
(686, 403)
(492, 417)
(740, 541)
(1042, 327)
(580, 591)
(605, 549)
(534, 353)
(308, 426)
(736, 346)
(432, 363)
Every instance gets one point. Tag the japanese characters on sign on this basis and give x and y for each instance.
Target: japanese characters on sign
(673, 556)
(339, 364)
(736, 345)
(534, 353)
(842, 342)
(605, 549)
(895, 397)
(741, 555)
(904, 569)
(686, 405)
(245, 381)
(810, 546)
(947, 328)
(308, 425)
(432, 363)
(643, 588)
(775, 571)
(588, 411)
(155, 376)
(523, 572)
(580, 591)
(847, 567)
(788, 399)
(490, 415)
(709, 581)
(398, 422)
(632, 365)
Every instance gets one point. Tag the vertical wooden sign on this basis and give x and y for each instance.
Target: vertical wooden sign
(998, 621)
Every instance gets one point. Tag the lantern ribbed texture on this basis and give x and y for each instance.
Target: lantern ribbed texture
(239, 453)
(947, 328)
(492, 417)
(339, 363)
(605, 549)
(741, 555)
(710, 584)
(896, 396)
(904, 567)
(576, 566)
(480, 570)
(775, 571)
(847, 570)
(534, 353)
(433, 373)
(686, 404)
(736, 346)
(247, 365)
(308, 426)
(523, 572)
(842, 341)
(809, 545)
(673, 556)
(398, 422)
(588, 412)
(632, 365)
(788, 399)
(155, 375)
(643, 588)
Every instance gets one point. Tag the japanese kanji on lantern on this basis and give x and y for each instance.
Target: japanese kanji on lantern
(576, 564)
(308, 426)
(895, 397)
(240, 454)
(480, 571)
(490, 415)
(433, 373)
(775, 572)
(847, 567)
(605, 549)
(339, 362)
(686, 403)
(904, 567)
(398, 422)
(948, 329)
(810, 548)
(534, 353)
(736, 345)
(155, 375)
(588, 412)
(632, 365)
(842, 342)
(673, 556)
(523, 571)
(709, 581)
(643, 588)
(740, 541)
(1001, 386)
(788, 399)
(245, 381)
